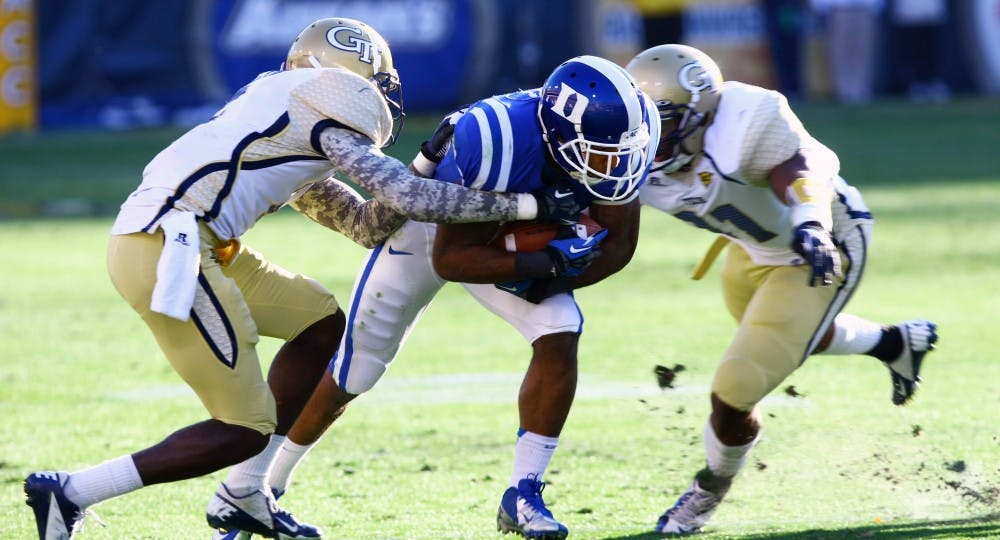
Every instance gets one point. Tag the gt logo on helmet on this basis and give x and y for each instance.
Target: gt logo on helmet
(347, 38)
(694, 81)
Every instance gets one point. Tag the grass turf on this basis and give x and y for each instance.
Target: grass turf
(427, 453)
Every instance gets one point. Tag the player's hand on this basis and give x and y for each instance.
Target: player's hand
(544, 288)
(814, 244)
(571, 255)
(517, 288)
(436, 147)
(557, 204)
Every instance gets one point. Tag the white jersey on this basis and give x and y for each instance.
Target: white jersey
(726, 189)
(258, 152)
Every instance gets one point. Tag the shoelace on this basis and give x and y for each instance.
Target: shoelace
(533, 498)
(81, 517)
(272, 505)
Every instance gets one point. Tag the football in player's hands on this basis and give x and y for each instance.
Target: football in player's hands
(529, 236)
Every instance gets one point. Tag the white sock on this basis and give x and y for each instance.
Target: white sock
(251, 474)
(99, 483)
(853, 335)
(285, 461)
(532, 454)
(725, 461)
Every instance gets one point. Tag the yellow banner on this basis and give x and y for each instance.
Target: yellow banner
(18, 90)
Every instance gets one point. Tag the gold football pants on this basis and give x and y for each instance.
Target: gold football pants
(781, 318)
(214, 351)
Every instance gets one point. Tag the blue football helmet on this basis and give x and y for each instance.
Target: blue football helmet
(593, 120)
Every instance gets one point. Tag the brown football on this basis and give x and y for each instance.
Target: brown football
(527, 236)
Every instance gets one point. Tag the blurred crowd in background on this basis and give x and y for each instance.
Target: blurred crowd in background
(120, 65)
(847, 40)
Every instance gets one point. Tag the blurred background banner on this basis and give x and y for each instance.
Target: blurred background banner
(18, 99)
(110, 64)
(732, 33)
(434, 42)
(115, 64)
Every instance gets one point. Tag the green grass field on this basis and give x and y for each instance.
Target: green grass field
(427, 453)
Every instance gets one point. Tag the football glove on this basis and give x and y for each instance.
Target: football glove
(517, 288)
(557, 204)
(571, 255)
(436, 147)
(814, 244)
(537, 290)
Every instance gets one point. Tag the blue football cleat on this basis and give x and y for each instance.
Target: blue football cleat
(56, 516)
(522, 511)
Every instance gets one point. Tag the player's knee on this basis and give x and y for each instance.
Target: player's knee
(324, 335)
(740, 384)
(361, 374)
(559, 348)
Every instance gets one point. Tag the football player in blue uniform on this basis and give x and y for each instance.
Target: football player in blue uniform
(735, 160)
(588, 131)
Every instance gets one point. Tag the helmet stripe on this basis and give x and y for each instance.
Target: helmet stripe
(622, 82)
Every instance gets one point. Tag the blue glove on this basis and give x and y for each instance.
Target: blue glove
(557, 204)
(571, 255)
(814, 244)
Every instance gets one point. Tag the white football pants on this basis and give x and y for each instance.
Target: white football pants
(396, 284)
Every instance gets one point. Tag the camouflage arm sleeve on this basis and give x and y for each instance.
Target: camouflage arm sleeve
(419, 199)
(336, 206)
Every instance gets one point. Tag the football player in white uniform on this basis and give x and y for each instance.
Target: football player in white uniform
(586, 131)
(735, 160)
(175, 256)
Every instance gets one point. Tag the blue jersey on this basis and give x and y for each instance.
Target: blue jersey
(498, 146)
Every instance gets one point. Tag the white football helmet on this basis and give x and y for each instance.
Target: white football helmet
(357, 47)
(686, 85)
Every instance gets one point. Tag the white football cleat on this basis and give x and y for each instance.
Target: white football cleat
(919, 337)
(692, 510)
(256, 513)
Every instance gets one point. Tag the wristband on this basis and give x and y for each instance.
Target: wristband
(527, 207)
(810, 201)
(423, 166)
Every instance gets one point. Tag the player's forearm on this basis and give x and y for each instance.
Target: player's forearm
(615, 255)
(806, 188)
(482, 264)
(622, 222)
(416, 198)
(335, 206)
